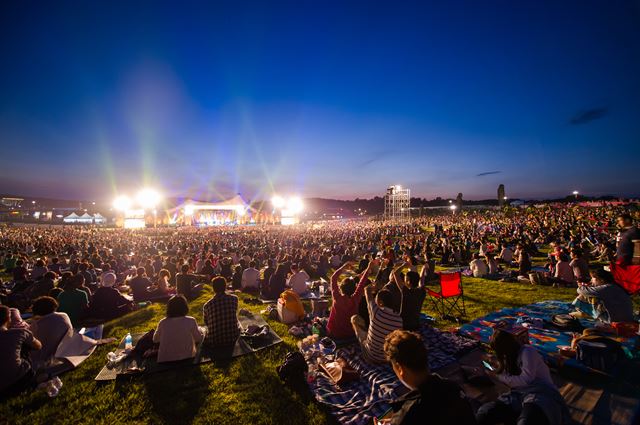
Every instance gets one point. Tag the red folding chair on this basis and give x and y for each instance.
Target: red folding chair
(627, 276)
(450, 296)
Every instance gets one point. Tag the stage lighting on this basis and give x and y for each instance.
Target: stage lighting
(189, 209)
(277, 202)
(148, 198)
(295, 205)
(122, 203)
(240, 210)
(453, 207)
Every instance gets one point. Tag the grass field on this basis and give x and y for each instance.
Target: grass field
(245, 391)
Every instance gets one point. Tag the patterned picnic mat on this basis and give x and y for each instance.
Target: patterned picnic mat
(357, 402)
(546, 339)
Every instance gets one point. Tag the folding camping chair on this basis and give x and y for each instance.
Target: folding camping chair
(450, 296)
(627, 276)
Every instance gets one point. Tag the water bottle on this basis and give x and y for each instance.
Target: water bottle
(128, 342)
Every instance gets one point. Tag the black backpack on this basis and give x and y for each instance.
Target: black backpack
(599, 352)
(293, 368)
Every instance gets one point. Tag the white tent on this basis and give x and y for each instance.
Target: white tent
(99, 218)
(74, 218)
(71, 218)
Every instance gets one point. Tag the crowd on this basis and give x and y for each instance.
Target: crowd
(67, 276)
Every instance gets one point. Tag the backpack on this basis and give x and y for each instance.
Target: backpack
(599, 352)
(293, 368)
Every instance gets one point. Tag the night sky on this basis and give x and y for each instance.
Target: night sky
(332, 99)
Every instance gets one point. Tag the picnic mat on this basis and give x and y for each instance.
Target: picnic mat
(244, 345)
(74, 350)
(547, 340)
(357, 402)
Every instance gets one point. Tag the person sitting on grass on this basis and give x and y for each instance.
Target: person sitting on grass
(161, 289)
(430, 396)
(478, 267)
(408, 294)
(298, 280)
(185, 283)
(250, 278)
(16, 373)
(564, 273)
(177, 334)
(107, 302)
(383, 320)
(72, 300)
(346, 298)
(139, 285)
(534, 398)
(50, 328)
(277, 283)
(580, 266)
(221, 316)
(604, 299)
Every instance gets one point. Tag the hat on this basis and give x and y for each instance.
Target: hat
(108, 280)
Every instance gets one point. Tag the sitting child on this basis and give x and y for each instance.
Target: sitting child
(603, 299)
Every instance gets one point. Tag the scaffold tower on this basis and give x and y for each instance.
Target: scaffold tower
(397, 203)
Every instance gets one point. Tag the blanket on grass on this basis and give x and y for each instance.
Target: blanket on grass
(547, 340)
(244, 345)
(357, 402)
(74, 350)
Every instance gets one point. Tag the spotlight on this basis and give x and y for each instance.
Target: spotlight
(240, 210)
(148, 198)
(122, 203)
(453, 207)
(277, 202)
(189, 209)
(295, 205)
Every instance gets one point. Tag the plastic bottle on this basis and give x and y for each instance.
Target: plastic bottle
(128, 342)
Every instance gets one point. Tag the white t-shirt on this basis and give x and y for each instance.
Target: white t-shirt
(298, 282)
(250, 278)
(479, 268)
(178, 337)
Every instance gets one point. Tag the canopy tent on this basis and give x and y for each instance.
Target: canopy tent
(85, 218)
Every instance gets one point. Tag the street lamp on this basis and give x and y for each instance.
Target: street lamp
(576, 193)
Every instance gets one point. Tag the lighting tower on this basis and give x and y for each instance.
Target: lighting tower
(397, 203)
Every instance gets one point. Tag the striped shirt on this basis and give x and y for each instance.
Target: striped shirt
(383, 322)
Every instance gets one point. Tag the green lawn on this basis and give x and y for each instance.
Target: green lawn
(245, 391)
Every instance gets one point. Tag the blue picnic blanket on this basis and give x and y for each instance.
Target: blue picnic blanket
(357, 402)
(546, 340)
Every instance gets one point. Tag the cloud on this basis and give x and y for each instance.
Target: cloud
(376, 156)
(588, 115)
(488, 173)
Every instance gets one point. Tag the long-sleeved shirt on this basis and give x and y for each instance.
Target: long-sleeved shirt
(532, 369)
(615, 299)
(624, 250)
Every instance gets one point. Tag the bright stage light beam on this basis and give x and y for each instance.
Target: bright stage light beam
(148, 198)
(278, 202)
(122, 203)
(295, 205)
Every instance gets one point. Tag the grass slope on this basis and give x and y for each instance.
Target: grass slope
(246, 390)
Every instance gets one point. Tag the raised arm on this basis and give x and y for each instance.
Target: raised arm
(336, 276)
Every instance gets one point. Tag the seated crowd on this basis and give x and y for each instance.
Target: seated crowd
(378, 287)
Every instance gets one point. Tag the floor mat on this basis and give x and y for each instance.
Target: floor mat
(546, 340)
(244, 345)
(357, 402)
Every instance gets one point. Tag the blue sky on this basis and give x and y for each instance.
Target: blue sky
(322, 98)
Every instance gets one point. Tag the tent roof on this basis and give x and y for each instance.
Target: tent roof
(72, 215)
